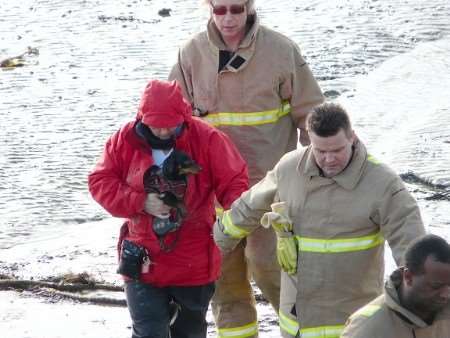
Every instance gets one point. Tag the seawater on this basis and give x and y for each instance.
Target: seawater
(386, 61)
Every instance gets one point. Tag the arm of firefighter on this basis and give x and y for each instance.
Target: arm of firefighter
(246, 212)
(108, 186)
(228, 168)
(302, 91)
(180, 73)
(224, 241)
(400, 218)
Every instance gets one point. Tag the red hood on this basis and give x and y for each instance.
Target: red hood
(163, 105)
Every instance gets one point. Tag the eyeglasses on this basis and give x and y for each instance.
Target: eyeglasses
(233, 9)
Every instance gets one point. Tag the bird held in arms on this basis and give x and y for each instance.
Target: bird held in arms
(170, 181)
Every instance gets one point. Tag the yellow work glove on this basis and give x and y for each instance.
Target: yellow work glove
(286, 244)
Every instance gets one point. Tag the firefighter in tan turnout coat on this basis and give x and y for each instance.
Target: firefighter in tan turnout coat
(253, 84)
(333, 205)
(416, 299)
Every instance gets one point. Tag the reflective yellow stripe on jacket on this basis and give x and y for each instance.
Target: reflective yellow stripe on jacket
(219, 212)
(230, 229)
(306, 244)
(366, 311)
(291, 327)
(248, 119)
(239, 332)
(372, 159)
(322, 332)
(287, 324)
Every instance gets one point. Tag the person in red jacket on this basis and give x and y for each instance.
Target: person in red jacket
(167, 252)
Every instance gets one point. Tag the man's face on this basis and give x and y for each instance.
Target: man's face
(230, 25)
(429, 292)
(163, 133)
(332, 153)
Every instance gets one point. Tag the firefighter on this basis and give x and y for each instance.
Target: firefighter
(416, 297)
(332, 205)
(253, 84)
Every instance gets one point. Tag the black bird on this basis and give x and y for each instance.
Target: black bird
(164, 12)
(178, 165)
(170, 182)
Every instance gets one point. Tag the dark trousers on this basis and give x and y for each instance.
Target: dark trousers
(149, 308)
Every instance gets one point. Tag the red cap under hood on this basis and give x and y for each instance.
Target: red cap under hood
(163, 105)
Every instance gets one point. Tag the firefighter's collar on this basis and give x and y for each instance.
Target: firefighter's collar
(350, 176)
(393, 302)
(233, 61)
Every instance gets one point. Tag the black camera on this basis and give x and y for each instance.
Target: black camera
(132, 256)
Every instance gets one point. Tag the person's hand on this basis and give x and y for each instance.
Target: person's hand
(154, 206)
(287, 250)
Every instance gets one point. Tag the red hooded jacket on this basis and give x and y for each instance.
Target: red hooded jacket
(116, 183)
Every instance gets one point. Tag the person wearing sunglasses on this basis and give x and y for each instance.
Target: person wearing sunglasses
(253, 84)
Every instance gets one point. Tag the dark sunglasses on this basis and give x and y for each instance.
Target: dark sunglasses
(233, 9)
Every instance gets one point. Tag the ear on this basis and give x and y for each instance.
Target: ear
(352, 136)
(407, 276)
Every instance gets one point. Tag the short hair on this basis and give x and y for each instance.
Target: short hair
(327, 119)
(423, 247)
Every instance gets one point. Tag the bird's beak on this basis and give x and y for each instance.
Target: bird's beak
(193, 168)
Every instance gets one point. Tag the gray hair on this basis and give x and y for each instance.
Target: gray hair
(250, 4)
(251, 7)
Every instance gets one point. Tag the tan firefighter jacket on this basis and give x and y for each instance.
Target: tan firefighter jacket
(386, 318)
(340, 224)
(257, 95)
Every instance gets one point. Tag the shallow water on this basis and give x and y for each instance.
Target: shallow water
(95, 58)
